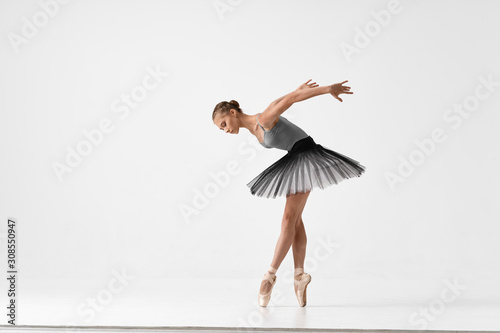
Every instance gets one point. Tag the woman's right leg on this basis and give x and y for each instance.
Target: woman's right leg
(295, 204)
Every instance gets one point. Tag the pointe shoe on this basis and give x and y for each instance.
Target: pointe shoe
(302, 288)
(264, 299)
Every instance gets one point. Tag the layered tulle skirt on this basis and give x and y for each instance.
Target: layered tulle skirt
(306, 166)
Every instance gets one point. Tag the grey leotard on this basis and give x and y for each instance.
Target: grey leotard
(283, 135)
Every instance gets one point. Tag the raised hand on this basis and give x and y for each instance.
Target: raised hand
(338, 88)
(307, 85)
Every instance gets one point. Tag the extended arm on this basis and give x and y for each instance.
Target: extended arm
(303, 92)
(306, 91)
(295, 96)
(277, 107)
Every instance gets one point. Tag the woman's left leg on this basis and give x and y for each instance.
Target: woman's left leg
(293, 209)
(299, 250)
(299, 244)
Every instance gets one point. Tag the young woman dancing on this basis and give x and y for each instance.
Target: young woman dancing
(307, 165)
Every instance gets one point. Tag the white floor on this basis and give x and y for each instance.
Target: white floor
(338, 305)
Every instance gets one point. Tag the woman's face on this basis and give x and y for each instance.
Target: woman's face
(227, 123)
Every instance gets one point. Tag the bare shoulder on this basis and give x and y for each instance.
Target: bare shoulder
(267, 120)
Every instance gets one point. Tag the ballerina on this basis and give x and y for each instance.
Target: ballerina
(307, 165)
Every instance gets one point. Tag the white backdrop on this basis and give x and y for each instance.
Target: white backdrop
(109, 153)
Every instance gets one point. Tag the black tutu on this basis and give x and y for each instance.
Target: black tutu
(306, 166)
